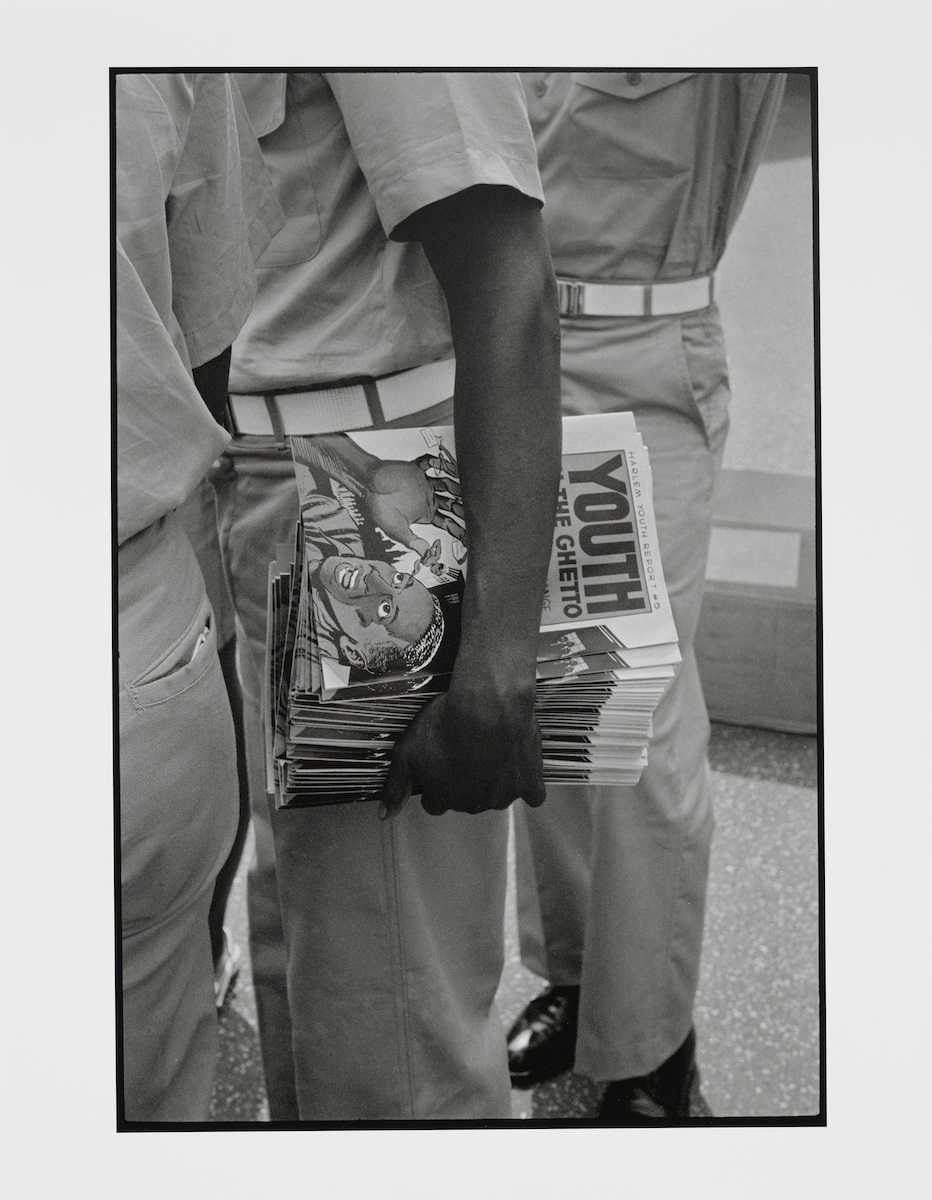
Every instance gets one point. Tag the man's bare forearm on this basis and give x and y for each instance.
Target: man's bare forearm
(501, 295)
(478, 747)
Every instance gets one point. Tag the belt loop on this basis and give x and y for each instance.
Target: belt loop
(712, 289)
(570, 297)
(373, 400)
(278, 429)
(648, 299)
(230, 423)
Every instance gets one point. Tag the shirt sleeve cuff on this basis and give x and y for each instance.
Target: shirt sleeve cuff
(426, 183)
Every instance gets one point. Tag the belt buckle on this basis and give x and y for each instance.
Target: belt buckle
(570, 294)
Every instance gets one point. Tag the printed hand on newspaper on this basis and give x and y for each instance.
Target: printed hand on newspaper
(467, 754)
(427, 492)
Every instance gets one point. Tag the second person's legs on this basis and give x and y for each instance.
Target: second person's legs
(646, 847)
(392, 931)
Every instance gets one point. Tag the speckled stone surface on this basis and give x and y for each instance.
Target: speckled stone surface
(757, 1012)
(758, 1004)
(761, 754)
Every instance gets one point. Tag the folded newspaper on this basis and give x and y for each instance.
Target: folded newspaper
(364, 609)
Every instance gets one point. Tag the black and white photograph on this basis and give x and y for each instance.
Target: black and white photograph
(345, 907)
(469, 472)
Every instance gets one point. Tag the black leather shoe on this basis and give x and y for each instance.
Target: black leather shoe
(671, 1093)
(542, 1042)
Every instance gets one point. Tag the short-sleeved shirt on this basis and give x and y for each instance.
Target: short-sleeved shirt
(353, 155)
(194, 206)
(645, 172)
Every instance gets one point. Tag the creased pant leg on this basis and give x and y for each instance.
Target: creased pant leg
(257, 507)
(553, 867)
(650, 844)
(394, 956)
(178, 816)
(393, 931)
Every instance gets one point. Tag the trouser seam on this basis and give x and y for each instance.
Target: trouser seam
(224, 531)
(396, 933)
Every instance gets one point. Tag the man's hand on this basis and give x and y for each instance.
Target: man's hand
(442, 474)
(467, 756)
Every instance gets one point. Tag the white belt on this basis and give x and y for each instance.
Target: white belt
(579, 299)
(365, 405)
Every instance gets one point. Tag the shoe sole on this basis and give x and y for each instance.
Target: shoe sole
(528, 1079)
(696, 1106)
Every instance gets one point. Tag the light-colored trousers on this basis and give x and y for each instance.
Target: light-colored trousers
(377, 946)
(612, 881)
(198, 518)
(178, 813)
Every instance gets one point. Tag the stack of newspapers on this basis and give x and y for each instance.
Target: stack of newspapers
(364, 609)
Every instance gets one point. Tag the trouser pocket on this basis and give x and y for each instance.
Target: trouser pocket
(704, 368)
(179, 667)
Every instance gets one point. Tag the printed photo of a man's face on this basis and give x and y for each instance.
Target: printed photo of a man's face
(380, 610)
